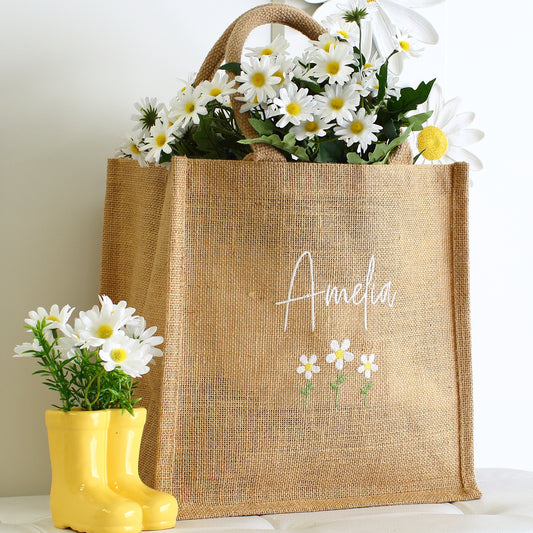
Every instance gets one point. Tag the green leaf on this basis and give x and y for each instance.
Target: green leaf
(382, 151)
(410, 98)
(342, 379)
(331, 152)
(354, 159)
(334, 386)
(314, 88)
(232, 67)
(417, 121)
(382, 80)
(263, 127)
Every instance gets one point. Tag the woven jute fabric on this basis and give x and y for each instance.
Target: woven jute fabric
(376, 254)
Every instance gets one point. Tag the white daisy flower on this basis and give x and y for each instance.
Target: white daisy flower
(56, 318)
(360, 128)
(277, 47)
(187, 107)
(308, 367)
(149, 111)
(333, 65)
(339, 28)
(258, 79)
(27, 349)
(161, 135)
(314, 127)
(133, 148)
(294, 105)
(360, 85)
(407, 47)
(367, 365)
(337, 102)
(95, 326)
(125, 353)
(136, 329)
(446, 133)
(219, 88)
(340, 353)
(383, 17)
(68, 346)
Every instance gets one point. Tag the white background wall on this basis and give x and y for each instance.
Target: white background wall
(69, 75)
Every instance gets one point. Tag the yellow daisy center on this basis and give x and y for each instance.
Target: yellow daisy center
(337, 103)
(357, 127)
(161, 140)
(343, 33)
(333, 68)
(327, 46)
(370, 1)
(189, 108)
(215, 91)
(118, 355)
(432, 142)
(104, 331)
(258, 79)
(53, 318)
(404, 45)
(368, 366)
(308, 367)
(311, 126)
(339, 354)
(367, 65)
(293, 109)
(134, 149)
(267, 51)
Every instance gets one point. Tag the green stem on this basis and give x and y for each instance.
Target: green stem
(96, 377)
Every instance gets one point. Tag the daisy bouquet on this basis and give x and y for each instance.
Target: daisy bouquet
(91, 365)
(340, 101)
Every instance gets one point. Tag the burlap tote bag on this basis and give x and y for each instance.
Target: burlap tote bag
(258, 273)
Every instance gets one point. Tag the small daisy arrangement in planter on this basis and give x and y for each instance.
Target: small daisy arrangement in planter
(340, 101)
(93, 364)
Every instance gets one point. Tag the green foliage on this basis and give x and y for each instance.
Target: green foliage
(232, 67)
(287, 144)
(81, 381)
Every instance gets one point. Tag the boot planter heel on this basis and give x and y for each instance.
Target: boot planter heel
(80, 497)
(124, 441)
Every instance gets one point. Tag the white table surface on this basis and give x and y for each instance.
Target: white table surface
(506, 507)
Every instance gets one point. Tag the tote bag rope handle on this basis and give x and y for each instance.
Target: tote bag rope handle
(266, 14)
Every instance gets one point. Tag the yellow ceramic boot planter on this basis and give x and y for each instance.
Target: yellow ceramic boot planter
(80, 497)
(125, 433)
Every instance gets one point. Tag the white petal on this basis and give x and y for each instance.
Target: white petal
(361, 369)
(348, 356)
(300, 369)
(368, 373)
(330, 357)
(339, 364)
(315, 369)
(383, 32)
(374, 368)
(459, 122)
(460, 154)
(308, 374)
(303, 359)
(420, 3)
(334, 345)
(466, 137)
(447, 113)
(312, 359)
(345, 344)
(408, 19)
(364, 359)
(371, 358)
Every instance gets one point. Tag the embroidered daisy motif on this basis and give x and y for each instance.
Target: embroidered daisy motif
(308, 368)
(340, 353)
(367, 365)
(338, 356)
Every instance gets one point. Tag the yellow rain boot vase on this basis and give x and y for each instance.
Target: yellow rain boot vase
(80, 497)
(124, 442)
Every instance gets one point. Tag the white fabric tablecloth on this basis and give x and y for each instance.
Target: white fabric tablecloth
(506, 507)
